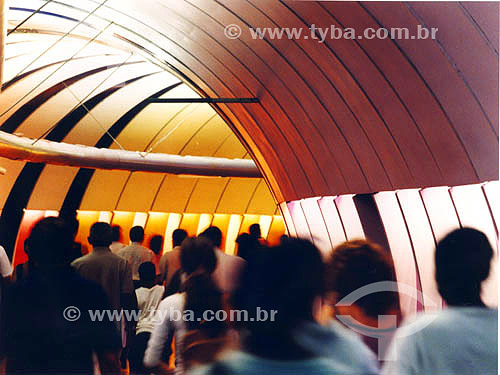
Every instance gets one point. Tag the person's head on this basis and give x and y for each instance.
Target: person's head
(27, 246)
(243, 240)
(246, 246)
(463, 261)
(50, 242)
(178, 236)
(71, 221)
(198, 261)
(100, 235)
(197, 254)
(287, 279)
(116, 232)
(137, 234)
(147, 272)
(283, 239)
(355, 264)
(214, 234)
(255, 230)
(156, 244)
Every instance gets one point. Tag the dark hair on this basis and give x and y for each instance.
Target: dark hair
(283, 239)
(137, 234)
(463, 260)
(117, 232)
(247, 246)
(71, 221)
(156, 243)
(178, 236)
(175, 284)
(197, 254)
(100, 234)
(287, 278)
(355, 264)
(147, 271)
(255, 230)
(214, 234)
(27, 244)
(50, 241)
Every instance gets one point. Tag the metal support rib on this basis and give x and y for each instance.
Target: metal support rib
(3, 36)
(27, 18)
(204, 100)
(62, 37)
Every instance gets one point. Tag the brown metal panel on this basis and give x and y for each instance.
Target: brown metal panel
(277, 85)
(412, 91)
(485, 16)
(289, 111)
(365, 85)
(476, 63)
(320, 104)
(444, 82)
(343, 99)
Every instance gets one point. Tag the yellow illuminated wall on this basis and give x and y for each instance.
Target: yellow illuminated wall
(161, 223)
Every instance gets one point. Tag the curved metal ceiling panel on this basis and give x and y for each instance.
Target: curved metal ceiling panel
(342, 116)
(450, 90)
(91, 100)
(414, 113)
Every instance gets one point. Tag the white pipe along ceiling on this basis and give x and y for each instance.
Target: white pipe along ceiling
(15, 147)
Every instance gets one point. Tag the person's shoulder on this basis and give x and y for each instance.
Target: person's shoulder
(449, 319)
(229, 258)
(176, 251)
(238, 362)
(114, 257)
(158, 289)
(116, 261)
(174, 301)
(334, 341)
(231, 362)
(2, 251)
(123, 250)
(3, 254)
(147, 250)
(81, 260)
(5, 266)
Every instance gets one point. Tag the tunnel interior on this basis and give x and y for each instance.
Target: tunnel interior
(395, 140)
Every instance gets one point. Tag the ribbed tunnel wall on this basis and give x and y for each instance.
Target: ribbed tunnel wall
(408, 223)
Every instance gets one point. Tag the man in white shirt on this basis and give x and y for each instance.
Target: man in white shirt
(229, 267)
(5, 267)
(116, 245)
(135, 253)
(149, 296)
(463, 338)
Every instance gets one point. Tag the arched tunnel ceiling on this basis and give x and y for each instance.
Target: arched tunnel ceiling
(342, 116)
(82, 90)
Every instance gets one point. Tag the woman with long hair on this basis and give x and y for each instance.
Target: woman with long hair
(198, 337)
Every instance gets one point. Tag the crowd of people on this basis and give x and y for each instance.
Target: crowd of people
(267, 310)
